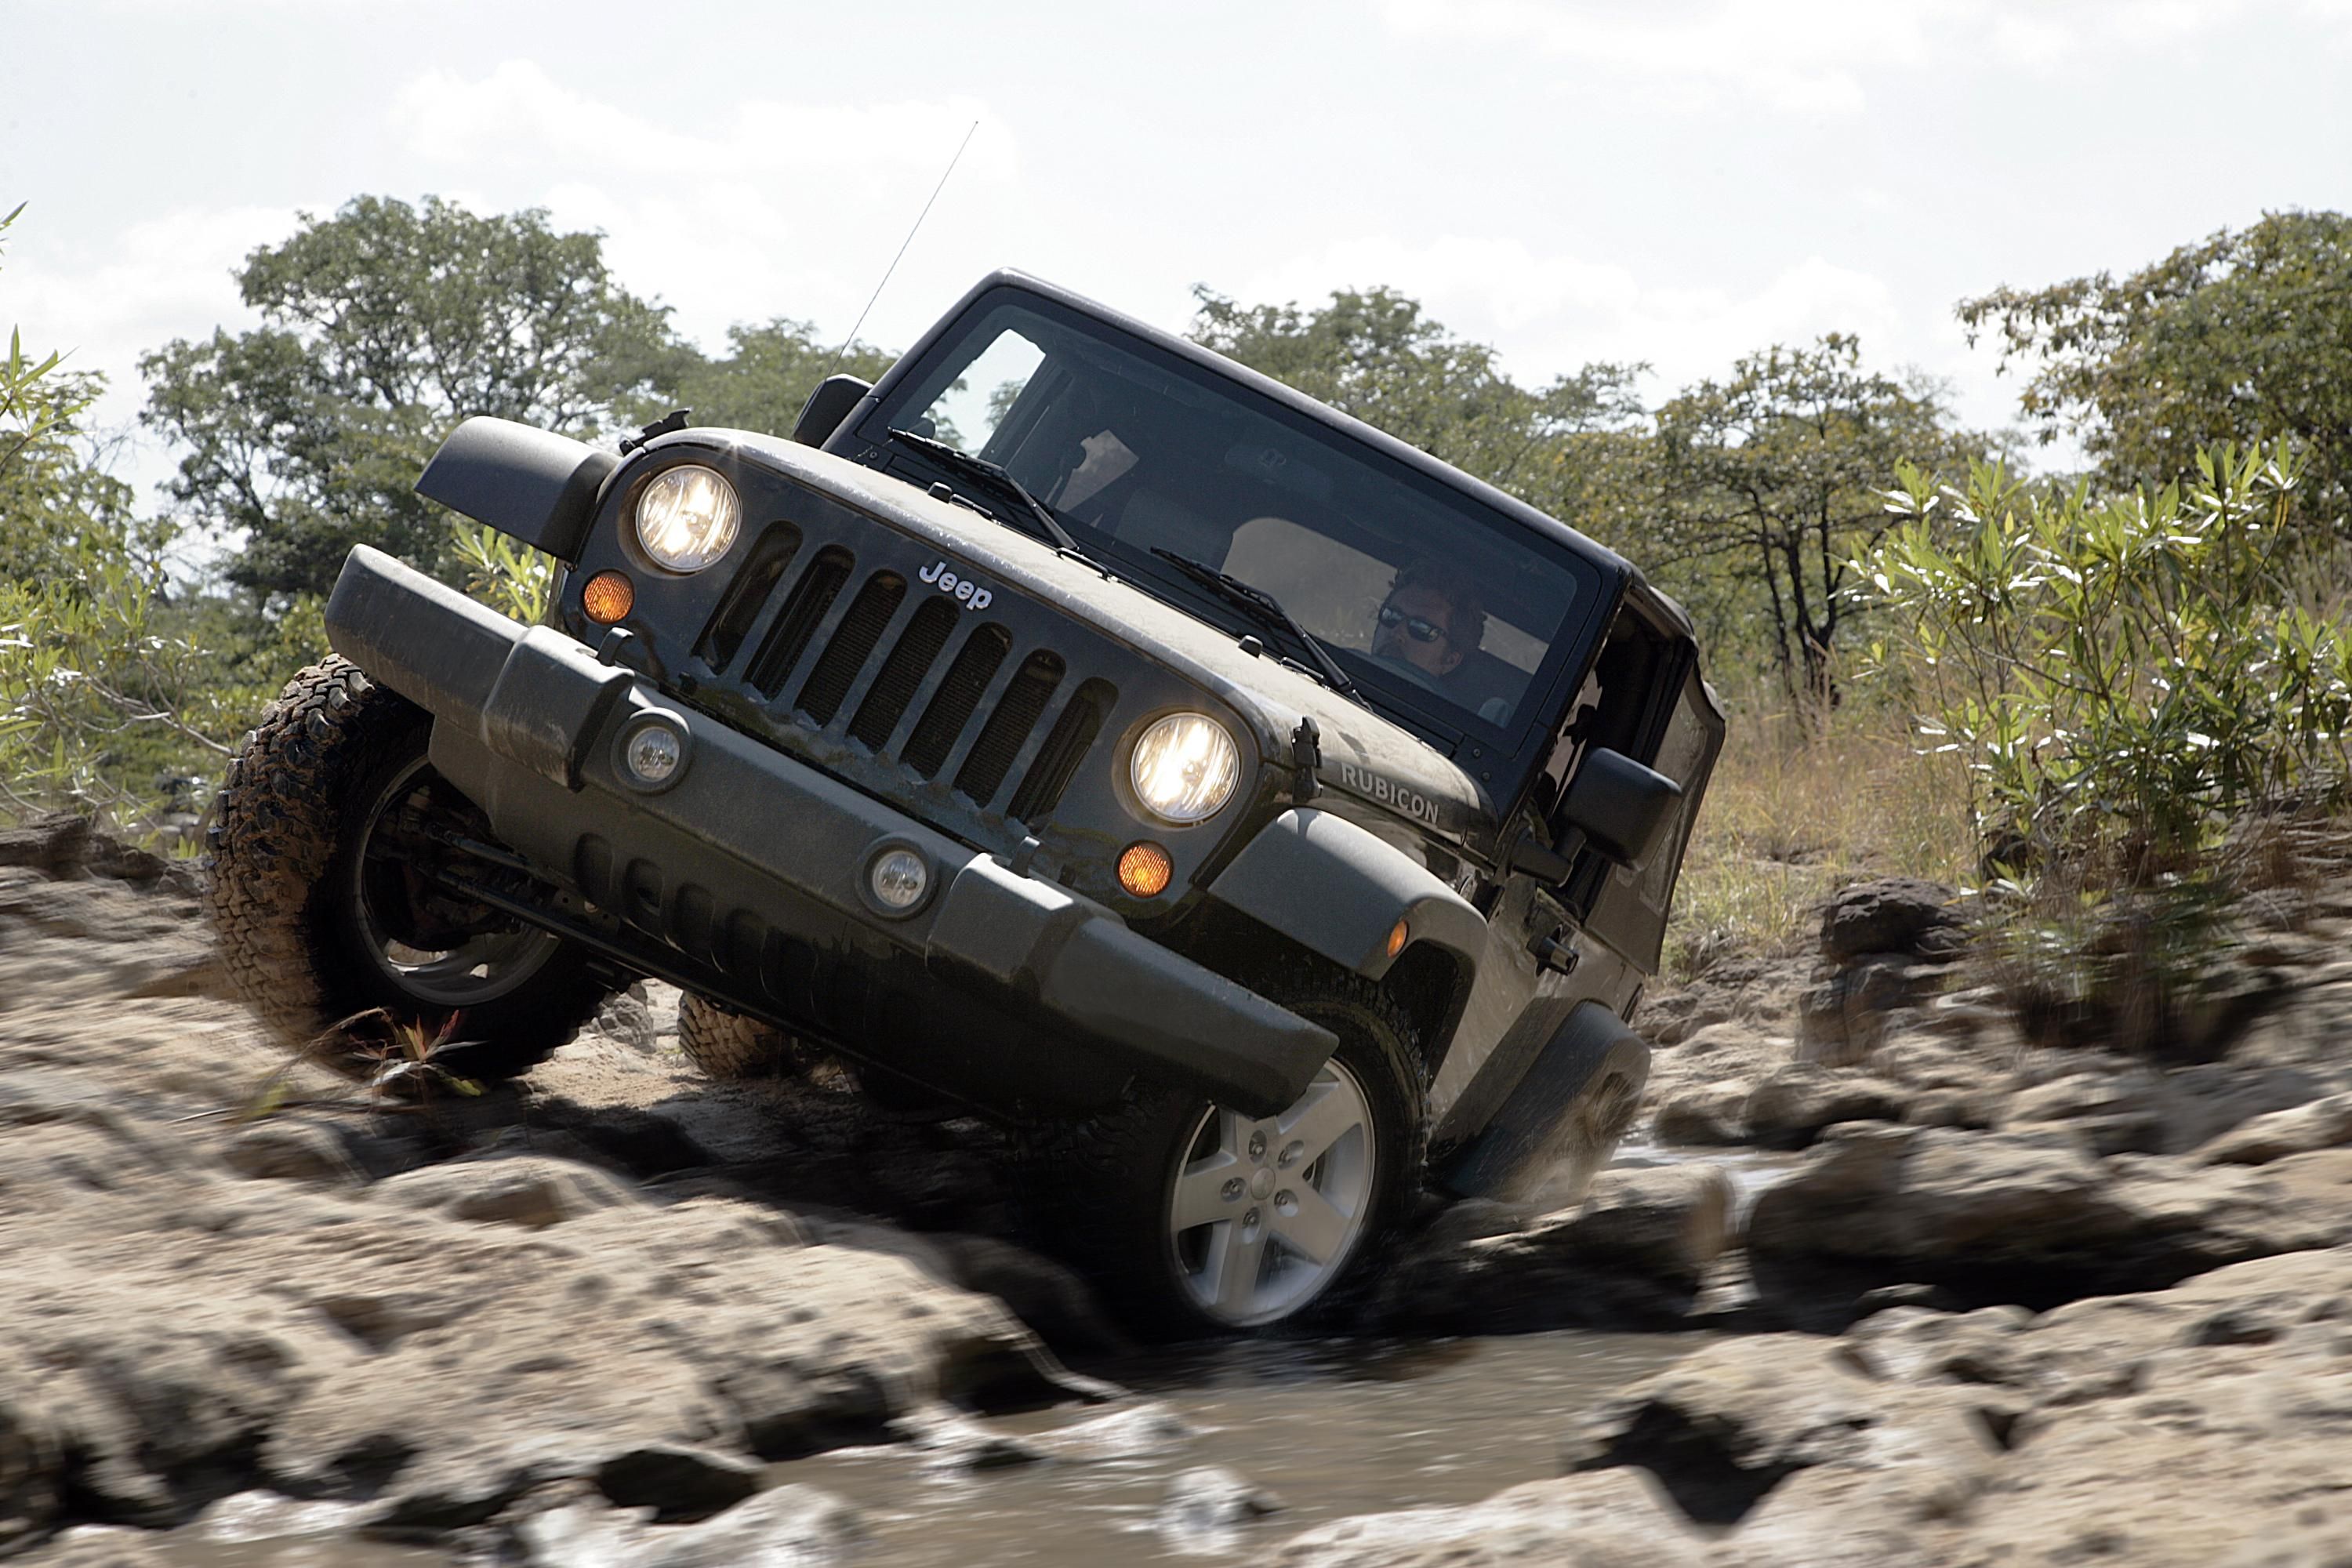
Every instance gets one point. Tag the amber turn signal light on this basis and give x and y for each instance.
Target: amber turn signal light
(608, 597)
(1397, 934)
(1144, 870)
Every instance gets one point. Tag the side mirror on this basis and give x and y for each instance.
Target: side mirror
(827, 406)
(1614, 805)
(1619, 805)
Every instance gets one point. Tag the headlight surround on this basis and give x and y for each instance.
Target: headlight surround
(1184, 767)
(687, 517)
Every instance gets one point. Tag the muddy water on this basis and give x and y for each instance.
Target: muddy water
(1334, 1428)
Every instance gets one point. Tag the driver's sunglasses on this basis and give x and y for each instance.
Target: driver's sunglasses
(1414, 626)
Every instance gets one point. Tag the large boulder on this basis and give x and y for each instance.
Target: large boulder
(2033, 1216)
(1632, 1254)
(1797, 1103)
(1901, 915)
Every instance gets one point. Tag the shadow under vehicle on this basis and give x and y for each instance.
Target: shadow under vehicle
(1263, 820)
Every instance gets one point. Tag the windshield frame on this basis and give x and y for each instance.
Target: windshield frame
(1498, 755)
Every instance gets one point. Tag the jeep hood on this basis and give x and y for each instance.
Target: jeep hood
(1378, 763)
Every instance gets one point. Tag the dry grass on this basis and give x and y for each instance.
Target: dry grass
(1797, 809)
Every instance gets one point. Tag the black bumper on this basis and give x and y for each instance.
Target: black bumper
(754, 866)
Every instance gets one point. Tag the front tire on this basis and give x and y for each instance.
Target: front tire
(1195, 1217)
(322, 918)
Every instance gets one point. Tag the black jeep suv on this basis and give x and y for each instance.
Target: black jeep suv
(1264, 819)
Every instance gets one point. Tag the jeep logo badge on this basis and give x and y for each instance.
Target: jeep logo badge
(969, 593)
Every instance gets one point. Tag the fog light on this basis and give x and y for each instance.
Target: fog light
(899, 878)
(653, 754)
(1144, 870)
(608, 597)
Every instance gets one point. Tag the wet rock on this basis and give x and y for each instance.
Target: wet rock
(2113, 1112)
(1707, 1114)
(2322, 1124)
(269, 1516)
(1915, 1344)
(102, 1546)
(1634, 1253)
(1144, 1432)
(1210, 1501)
(1615, 1518)
(678, 1481)
(1728, 1425)
(949, 1440)
(530, 1191)
(2033, 1216)
(786, 1527)
(1791, 1108)
(1901, 915)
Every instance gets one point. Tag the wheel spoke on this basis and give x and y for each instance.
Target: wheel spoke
(1316, 1231)
(1200, 1191)
(1321, 1119)
(1240, 1260)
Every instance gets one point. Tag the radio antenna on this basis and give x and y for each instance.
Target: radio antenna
(844, 349)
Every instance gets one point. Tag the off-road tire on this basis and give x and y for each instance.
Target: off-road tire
(1097, 1189)
(285, 838)
(729, 1045)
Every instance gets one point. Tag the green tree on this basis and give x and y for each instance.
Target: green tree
(769, 371)
(2239, 337)
(382, 327)
(1768, 484)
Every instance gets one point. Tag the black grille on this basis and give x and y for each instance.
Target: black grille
(1073, 736)
(957, 698)
(860, 668)
(868, 617)
(903, 671)
(1016, 714)
(748, 595)
(812, 596)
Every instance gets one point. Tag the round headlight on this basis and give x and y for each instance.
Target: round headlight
(1184, 767)
(686, 516)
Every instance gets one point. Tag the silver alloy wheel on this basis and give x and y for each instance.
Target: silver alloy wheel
(481, 968)
(1263, 1215)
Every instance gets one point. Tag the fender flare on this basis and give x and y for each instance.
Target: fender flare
(534, 484)
(1338, 890)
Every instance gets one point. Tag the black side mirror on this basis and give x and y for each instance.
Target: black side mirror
(1614, 805)
(1619, 805)
(827, 406)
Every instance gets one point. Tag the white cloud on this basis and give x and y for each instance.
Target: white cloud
(106, 305)
(762, 204)
(1551, 313)
(1811, 59)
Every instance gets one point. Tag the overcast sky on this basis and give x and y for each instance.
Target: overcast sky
(1675, 181)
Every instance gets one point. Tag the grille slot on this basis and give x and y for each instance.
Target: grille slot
(1016, 714)
(902, 673)
(959, 695)
(810, 597)
(1066, 747)
(853, 642)
(748, 595)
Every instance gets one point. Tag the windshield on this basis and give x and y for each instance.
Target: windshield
(1428, 597)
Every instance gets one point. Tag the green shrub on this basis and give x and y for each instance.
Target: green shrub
(2136, 683)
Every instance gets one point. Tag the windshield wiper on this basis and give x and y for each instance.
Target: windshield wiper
(993, 477)
(1267, 611)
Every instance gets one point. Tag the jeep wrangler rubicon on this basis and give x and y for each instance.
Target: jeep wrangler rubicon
(1264, 820)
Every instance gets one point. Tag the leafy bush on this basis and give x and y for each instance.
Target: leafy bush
(2136, 683)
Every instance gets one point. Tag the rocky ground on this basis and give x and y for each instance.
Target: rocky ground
(1997, 1304)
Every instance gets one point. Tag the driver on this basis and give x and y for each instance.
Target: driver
(1432, 618)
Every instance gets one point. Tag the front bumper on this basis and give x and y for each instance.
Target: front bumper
(752, 866)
